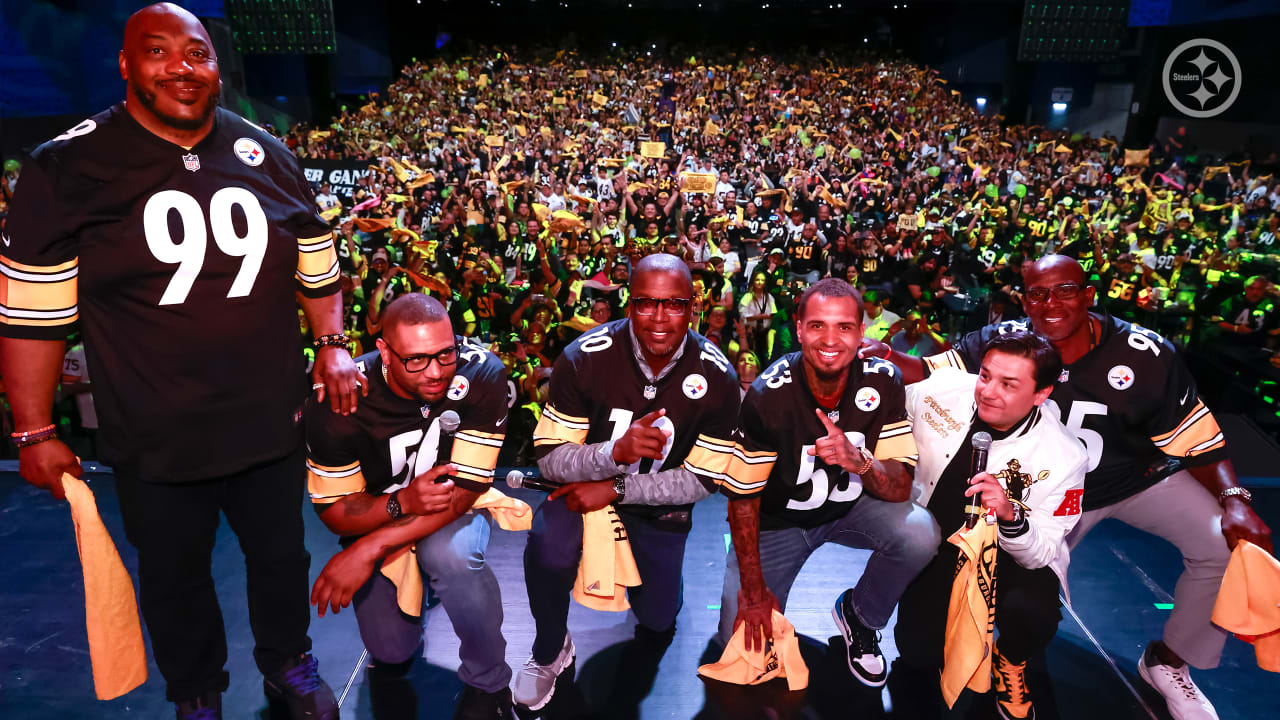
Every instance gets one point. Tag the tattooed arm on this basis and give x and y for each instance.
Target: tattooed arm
(888, 480)
(362, 512)
(755, 602)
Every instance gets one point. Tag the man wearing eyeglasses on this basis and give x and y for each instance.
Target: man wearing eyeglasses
(641, 416)
(1157, 458)
(396, 487)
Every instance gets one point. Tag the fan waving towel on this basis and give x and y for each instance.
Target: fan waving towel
(116, 651)
(1249, 602)
(779, 658)
(607, 567)
(971, 614)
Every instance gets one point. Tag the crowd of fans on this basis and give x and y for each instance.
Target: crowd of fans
(521, 190)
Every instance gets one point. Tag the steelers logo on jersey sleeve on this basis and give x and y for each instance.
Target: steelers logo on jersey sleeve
(1120, 377)
(867, 399)
(694, 386)
(249, 152)
(459, 388)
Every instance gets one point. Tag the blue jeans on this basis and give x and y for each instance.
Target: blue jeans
(551, 565)
(903, 537)
(452, 558)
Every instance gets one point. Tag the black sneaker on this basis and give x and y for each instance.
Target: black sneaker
(866, 662)
(298, 686)
(476, 704)
(205, 707)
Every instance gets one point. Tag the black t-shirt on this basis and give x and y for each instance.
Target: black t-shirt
(598, 390)
(389, 440)
(778, 427)
(1129, 399)
(182, 267)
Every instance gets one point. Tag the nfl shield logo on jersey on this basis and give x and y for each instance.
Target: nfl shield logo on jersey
(191, 162)
(249, 152)
(459, 388)
(694, 386)
(867, 399)
(1120, 377)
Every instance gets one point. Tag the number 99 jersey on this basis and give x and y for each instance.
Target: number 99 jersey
(389, 440)
(598, 390)
(778, 428)
(181, 266)
(1131, 402)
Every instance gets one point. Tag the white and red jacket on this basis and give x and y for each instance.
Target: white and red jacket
(941, 409)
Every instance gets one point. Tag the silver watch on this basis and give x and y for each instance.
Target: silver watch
(620, 487)
(1237, 491)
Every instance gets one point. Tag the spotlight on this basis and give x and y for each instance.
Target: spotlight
(1059, 107)
(982, 102)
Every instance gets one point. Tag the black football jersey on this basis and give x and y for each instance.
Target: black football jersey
(181, 267)
(804, 254)
(778, 427)
(1130, 400)
(389, 440)
(598, 390)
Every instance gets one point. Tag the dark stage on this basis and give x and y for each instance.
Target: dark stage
(1121, 581)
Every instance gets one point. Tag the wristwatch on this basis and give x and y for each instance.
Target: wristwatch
(393, 506)
(1237, 491)
(620, 487)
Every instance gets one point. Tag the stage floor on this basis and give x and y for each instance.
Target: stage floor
(1121, 583)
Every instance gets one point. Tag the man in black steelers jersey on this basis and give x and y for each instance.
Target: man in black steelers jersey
(1157, 458)
(178, 234)
(641, 415)
(825, 454)
(396, 481)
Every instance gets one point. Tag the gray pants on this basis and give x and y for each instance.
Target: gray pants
(1180, 510)
(903, 536)
(453, 559)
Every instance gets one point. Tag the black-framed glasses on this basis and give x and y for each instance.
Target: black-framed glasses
(1063, 293)
(417, 363)
(647, 306)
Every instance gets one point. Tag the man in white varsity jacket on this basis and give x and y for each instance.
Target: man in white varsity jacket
(1032, 489)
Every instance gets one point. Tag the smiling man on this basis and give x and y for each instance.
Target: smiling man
(641, 415)
(188, 230)
(1033, 466)
(1157, 458)
(825, 455)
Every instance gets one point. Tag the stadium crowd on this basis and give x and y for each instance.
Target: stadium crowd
(521, 191)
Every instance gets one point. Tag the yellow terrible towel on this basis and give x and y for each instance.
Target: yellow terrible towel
(971, 614)
(116, 651)
(780, 658)
(607, 567)
(1249, 602)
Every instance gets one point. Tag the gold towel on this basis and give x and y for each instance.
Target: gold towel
(1249, 602)
(971, 614)
(779, 658)
(607, 567)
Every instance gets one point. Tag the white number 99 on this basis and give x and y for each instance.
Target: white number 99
(188, 255)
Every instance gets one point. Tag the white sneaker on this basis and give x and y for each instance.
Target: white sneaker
(535, 684)
(1180, 693)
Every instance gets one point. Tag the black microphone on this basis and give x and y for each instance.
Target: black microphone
(974, 510)
(517, 479)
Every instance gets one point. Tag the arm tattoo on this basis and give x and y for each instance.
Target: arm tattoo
(888, 481)
(744, 528)
(357, 504)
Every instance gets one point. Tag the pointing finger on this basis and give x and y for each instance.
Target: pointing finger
(651, 418)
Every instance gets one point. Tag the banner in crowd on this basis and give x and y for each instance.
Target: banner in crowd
(1218, 70)
(700, 183)
(342, 175)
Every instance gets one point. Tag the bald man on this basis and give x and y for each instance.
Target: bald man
(195, 230)
(1157, 458)
(641, 417)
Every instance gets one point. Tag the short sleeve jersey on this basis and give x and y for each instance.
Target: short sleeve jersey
(598, 390)
(181, 267)
(1131, 401)
(778, 427)
(389, 440)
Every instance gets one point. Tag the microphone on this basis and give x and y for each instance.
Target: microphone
(981, 444)
(449, 422)
(517, 479)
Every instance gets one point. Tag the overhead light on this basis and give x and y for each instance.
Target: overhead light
(1059, 107)
(982, 102)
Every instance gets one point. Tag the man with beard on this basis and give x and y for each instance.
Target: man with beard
(196, 230)
(389, 477)
(641, 416)
(1157, 458)
(825, 455)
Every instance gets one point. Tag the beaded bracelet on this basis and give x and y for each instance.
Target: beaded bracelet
(335, 340)
(33, 437)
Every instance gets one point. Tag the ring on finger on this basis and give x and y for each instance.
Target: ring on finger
(317, 386)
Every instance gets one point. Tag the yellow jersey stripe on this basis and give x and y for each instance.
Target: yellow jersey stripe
(551, 431)
(1201, 436)
(481, 457)
(1196, 413)
(897, 447)
(322, 487)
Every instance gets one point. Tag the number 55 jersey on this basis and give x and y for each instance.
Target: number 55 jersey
(1131, 402)
(181, 266)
